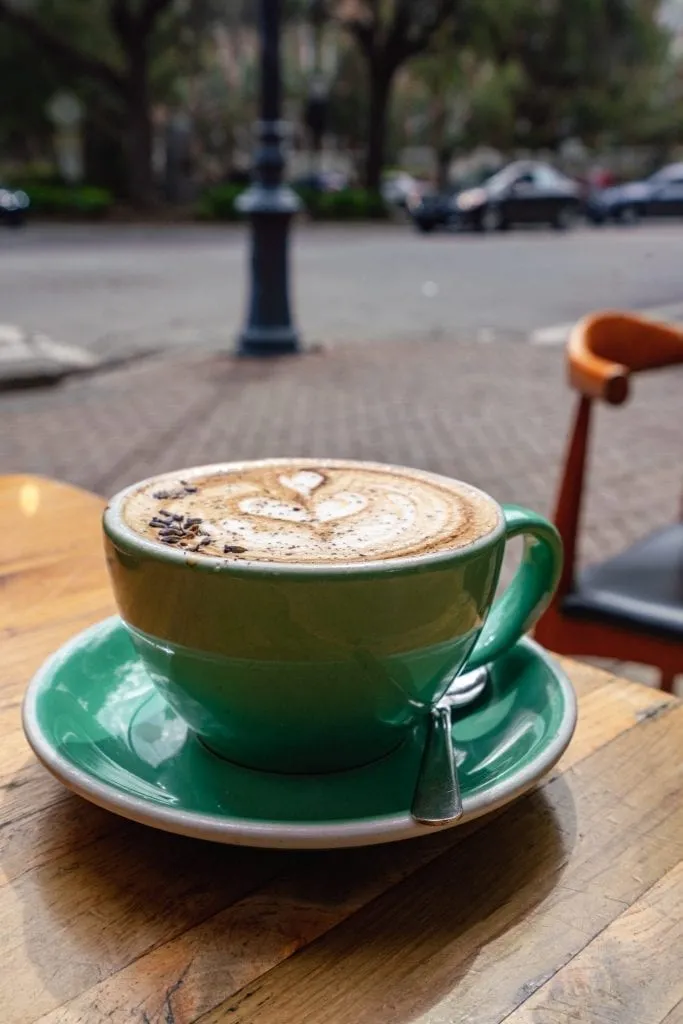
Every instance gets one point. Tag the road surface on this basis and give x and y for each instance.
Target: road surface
(119, 290)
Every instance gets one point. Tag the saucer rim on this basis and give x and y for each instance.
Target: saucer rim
(306, 835)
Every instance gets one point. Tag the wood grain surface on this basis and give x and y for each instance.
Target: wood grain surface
(566, 907)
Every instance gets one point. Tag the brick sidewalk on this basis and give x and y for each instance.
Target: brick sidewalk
(496, 415)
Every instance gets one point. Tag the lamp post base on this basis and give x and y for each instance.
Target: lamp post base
(269, 328)
(268, 341)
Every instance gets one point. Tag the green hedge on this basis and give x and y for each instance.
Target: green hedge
(219, 203)
(347, 204)
(69, 201)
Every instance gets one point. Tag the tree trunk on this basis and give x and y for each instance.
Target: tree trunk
(138, 148)
(442, 150)
(138, 138)
(380, 93)
(103, 154)
(444, 156)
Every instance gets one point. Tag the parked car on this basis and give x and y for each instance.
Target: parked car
(400, 188)
(432, 210)
(660, 195)
(523, 192)
(14, 204)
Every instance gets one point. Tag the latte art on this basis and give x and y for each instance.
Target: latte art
(306, 512)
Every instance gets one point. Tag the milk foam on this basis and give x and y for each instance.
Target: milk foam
(301, 511)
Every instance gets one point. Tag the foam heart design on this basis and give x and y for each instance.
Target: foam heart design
(325, 511)
(304, 482)
(338, 507)
(271, 508)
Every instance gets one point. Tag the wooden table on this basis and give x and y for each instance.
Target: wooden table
(566, 907)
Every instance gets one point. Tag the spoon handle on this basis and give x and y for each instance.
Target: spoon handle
(436, 800)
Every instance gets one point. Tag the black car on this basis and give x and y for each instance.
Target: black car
(660, 195)
(524, 192)
(429, 212)
(14, 204)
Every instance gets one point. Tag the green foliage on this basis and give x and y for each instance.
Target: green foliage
(219, 203)
(575, 62)
(84, 201)
(518, 73)
(23, 121)
(529, 74)
(493, 103)
(349, 204)
(310, 197)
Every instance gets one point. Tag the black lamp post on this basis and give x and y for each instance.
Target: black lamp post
(270, 205)
(318, 98)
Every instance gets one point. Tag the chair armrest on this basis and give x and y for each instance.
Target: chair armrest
(591, 374)
(605, 348)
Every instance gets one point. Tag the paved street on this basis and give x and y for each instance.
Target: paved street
(120, 289)
(431, 395)
(494, 415)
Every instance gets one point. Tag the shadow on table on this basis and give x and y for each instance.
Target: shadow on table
(416, 944)
(103, 894)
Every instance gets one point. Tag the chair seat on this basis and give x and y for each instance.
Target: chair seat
(639, 589)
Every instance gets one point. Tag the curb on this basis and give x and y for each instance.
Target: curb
(33, 359)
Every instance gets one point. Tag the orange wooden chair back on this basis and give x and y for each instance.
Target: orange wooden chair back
(604, 350)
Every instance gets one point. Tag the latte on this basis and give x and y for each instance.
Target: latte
(313, 512)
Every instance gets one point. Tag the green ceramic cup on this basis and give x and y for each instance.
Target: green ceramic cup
(302, 668)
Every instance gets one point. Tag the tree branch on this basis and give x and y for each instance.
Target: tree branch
(120, 19)
(365, 37)
(131, 27)
(60, 50)
(151, 10)
(363, 29)
(408, 35)
(400, 27)
(417, 41)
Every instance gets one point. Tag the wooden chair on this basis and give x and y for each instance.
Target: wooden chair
(631, 606)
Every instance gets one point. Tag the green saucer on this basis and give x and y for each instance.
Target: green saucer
(95, 720)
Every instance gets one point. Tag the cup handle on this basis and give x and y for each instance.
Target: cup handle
(529, 594)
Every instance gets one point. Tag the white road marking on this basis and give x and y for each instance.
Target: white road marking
(20, 345)
(558, 334)
(485, 335)
(555, 335)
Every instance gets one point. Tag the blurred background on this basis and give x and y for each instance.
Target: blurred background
(468, 178)
(124, 103)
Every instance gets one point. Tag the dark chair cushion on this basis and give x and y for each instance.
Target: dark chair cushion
(640, 589)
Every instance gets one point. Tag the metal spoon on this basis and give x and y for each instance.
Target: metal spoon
(436, 800)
